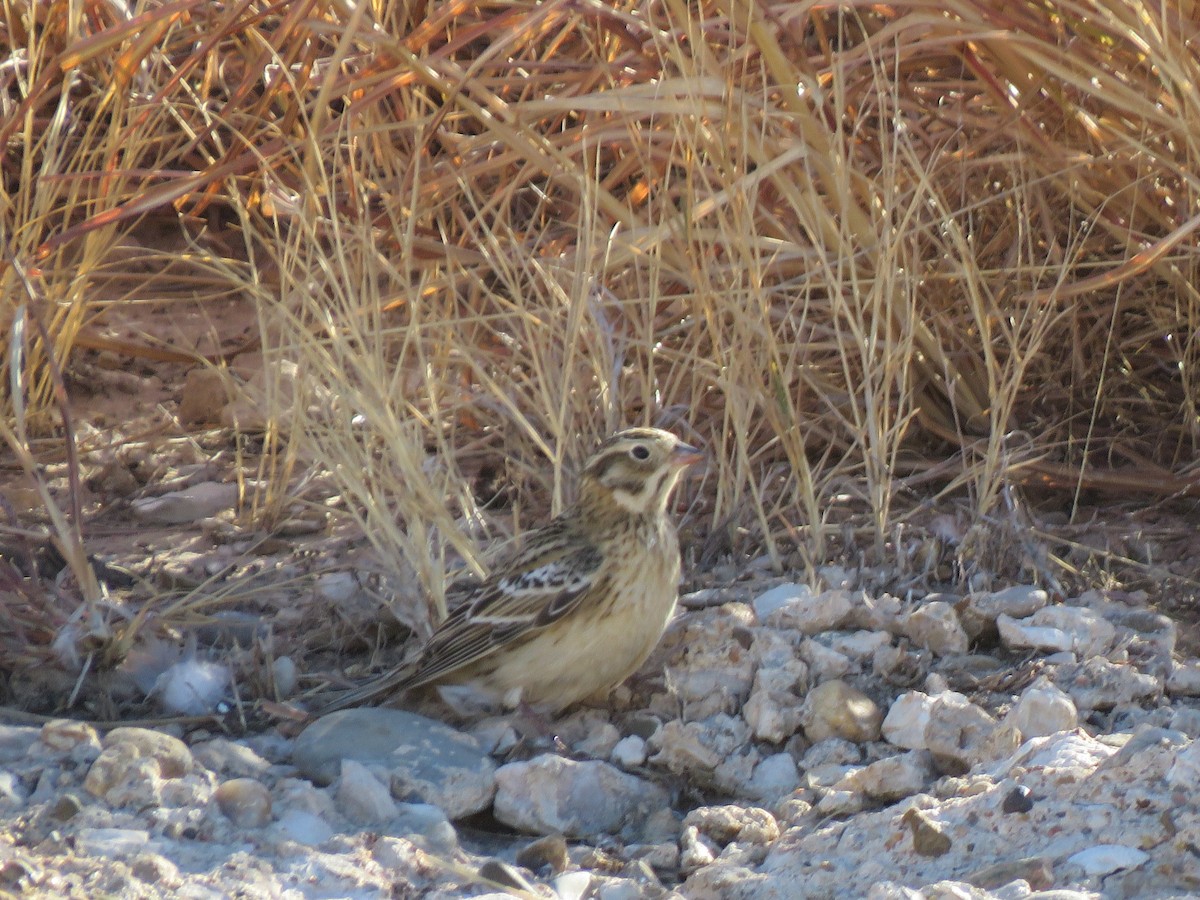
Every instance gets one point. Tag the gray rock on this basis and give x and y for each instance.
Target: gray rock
(424, 757)
(16, 741)
(958, 731)
(550, 794)
(893, 778)
(778, 597)
(302, 827)
(935, 626)
(1104, 859)
(689, 746)
(772, 715)
(361, 797)
(1043, 709)
(426, 826)
(811, 615)
(1058, 628)
(1099, 684)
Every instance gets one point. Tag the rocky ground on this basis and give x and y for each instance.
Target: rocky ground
(789, 744)
(782, 742)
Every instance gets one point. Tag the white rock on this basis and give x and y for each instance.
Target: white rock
(841, 803)
(695, 850)
(824, 663)
(336, 587)
(778, 597)
(1043, 709)
(773, 716)
(571, 885)
(599, 742)
(724, 825)
(189, 505)
(1185, 771)
(935, 626)
(114, 842)
(774, 777)
(685, 746)
(789, 676)
(1017, 634)
(629, 752)
(859, 646)
(1016, 602)
(812, 615)
(303, 828)
(907, 721)
(550, 794)
(1097, 683)
(958, 729)
(1104, 859)
(363, 798)
(1184, 679)
(893, 778)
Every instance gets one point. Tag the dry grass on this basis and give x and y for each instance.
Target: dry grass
(875, 258)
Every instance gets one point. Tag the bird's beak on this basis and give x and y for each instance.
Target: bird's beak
(685, 455)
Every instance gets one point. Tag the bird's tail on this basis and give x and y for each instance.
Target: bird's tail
(397, 681)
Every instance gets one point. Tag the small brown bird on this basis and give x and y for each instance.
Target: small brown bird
(576, 610)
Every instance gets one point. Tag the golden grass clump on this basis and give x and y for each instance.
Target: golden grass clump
(870, 255)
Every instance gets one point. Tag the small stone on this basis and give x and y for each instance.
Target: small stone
(361, 797)
(66, 807)
(778, 597)
(688, 746)
(302, 827)
(893, 778)
(773, 716)
(907, 721)
(1043, 709)
(1017, 634)
(841, 803)
(60, 734)
(172, 755)
(811, 615)
(723, 825)
(1016, 602)
(244, 802)
(1018, 800)
(1183, 679)
(927, 835)
(1105, 859)
(426, 826)
(935, 626)
(1036, 871)
(1099, 684)
(550, 794)
(153, 868)
(425, 758)
(502, 873)
(228, 757)
(629, 752)
(284, 676)
(200, 501)
(837, 709)
(599, 742)
(775, 776)
(959, 732)
(695, 850)
(110, 842)
(549, 852)
(823, 662)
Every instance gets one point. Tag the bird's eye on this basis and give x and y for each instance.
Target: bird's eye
(639, 451)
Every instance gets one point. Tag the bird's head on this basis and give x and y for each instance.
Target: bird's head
(635, 470)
